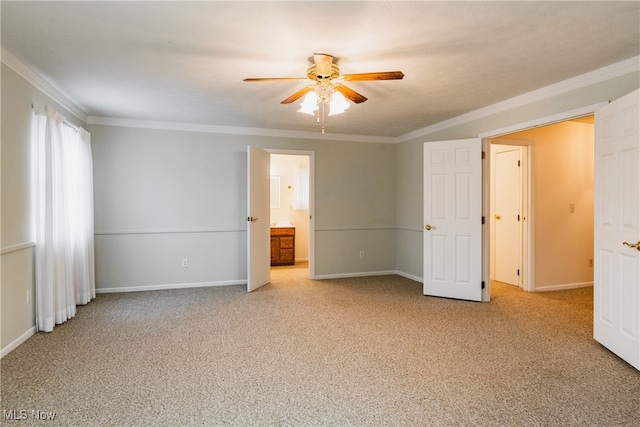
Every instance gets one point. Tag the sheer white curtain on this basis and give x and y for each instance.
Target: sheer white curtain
(65, 274)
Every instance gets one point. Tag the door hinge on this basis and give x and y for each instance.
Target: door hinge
(482, 285)
(518, 163)
(483, 155)
(518, 272)
(518, 217)
(483, 219)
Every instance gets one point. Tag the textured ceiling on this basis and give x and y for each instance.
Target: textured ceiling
(185, 61)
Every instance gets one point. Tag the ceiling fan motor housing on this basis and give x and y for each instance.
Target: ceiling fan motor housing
(312, 73)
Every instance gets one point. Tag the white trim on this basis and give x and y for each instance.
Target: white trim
(348, 275)
(24, 71)
(169, 286)
(232, 130)
(563, 287)
(15, 248)
(166, 231)
(290, 152)
(357, 229)
(593, 77)
(409, 276)
(15, 343)
(544, 121)
(416, 230)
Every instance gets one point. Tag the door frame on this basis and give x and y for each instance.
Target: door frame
(312, 216)
(528, 259)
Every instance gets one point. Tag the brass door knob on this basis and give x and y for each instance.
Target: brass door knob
(632, 245)
(428, 227)
(497, 217)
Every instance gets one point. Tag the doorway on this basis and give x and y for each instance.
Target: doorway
(554, 240)
(291, 204)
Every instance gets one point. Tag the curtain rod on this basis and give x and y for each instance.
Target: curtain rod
(65, 121)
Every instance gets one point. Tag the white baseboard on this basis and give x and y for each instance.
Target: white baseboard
(369, 273)
(143, 288)
(13, 345)
(347, 275)
(563, 286)
(410, 276)
(168, 286)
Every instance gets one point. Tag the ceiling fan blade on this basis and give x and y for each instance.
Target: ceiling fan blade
(274, 79)
(384, 75)
(299, 94)
(323, 64)
(350, 93)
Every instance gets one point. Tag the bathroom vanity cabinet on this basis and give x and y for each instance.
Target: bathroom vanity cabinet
(283, 245)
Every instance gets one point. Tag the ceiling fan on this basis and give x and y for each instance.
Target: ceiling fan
(326, 82)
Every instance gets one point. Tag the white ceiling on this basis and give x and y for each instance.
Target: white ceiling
(185, 61)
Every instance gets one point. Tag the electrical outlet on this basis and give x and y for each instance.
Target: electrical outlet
(28, 297)
(185, 263)
(361, 254)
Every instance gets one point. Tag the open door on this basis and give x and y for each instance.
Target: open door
(506, 221)
(258, 238)
(453, 219)
(616, 312)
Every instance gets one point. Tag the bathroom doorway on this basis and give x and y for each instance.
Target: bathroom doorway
(291, 210)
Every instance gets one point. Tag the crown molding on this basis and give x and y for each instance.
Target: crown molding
(543, 121)
(593, 77)
(27, 73)
(230, 130)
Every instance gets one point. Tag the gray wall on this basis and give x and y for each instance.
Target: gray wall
(164, 195)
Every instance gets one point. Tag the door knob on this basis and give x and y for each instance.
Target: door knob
(497, 217)
(428, 227)
(632, 245)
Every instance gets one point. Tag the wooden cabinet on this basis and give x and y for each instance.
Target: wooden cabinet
(283, 245)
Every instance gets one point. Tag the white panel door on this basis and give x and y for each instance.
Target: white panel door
(506, 220)
(617, 232)
(453, 219)
(258, 213)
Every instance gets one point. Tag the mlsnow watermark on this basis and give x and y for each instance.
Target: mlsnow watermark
(27, 414)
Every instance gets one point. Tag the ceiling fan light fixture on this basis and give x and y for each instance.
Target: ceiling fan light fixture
(310, 104)
(338, 104)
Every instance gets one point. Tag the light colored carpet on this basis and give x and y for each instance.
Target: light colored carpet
(343, 352)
